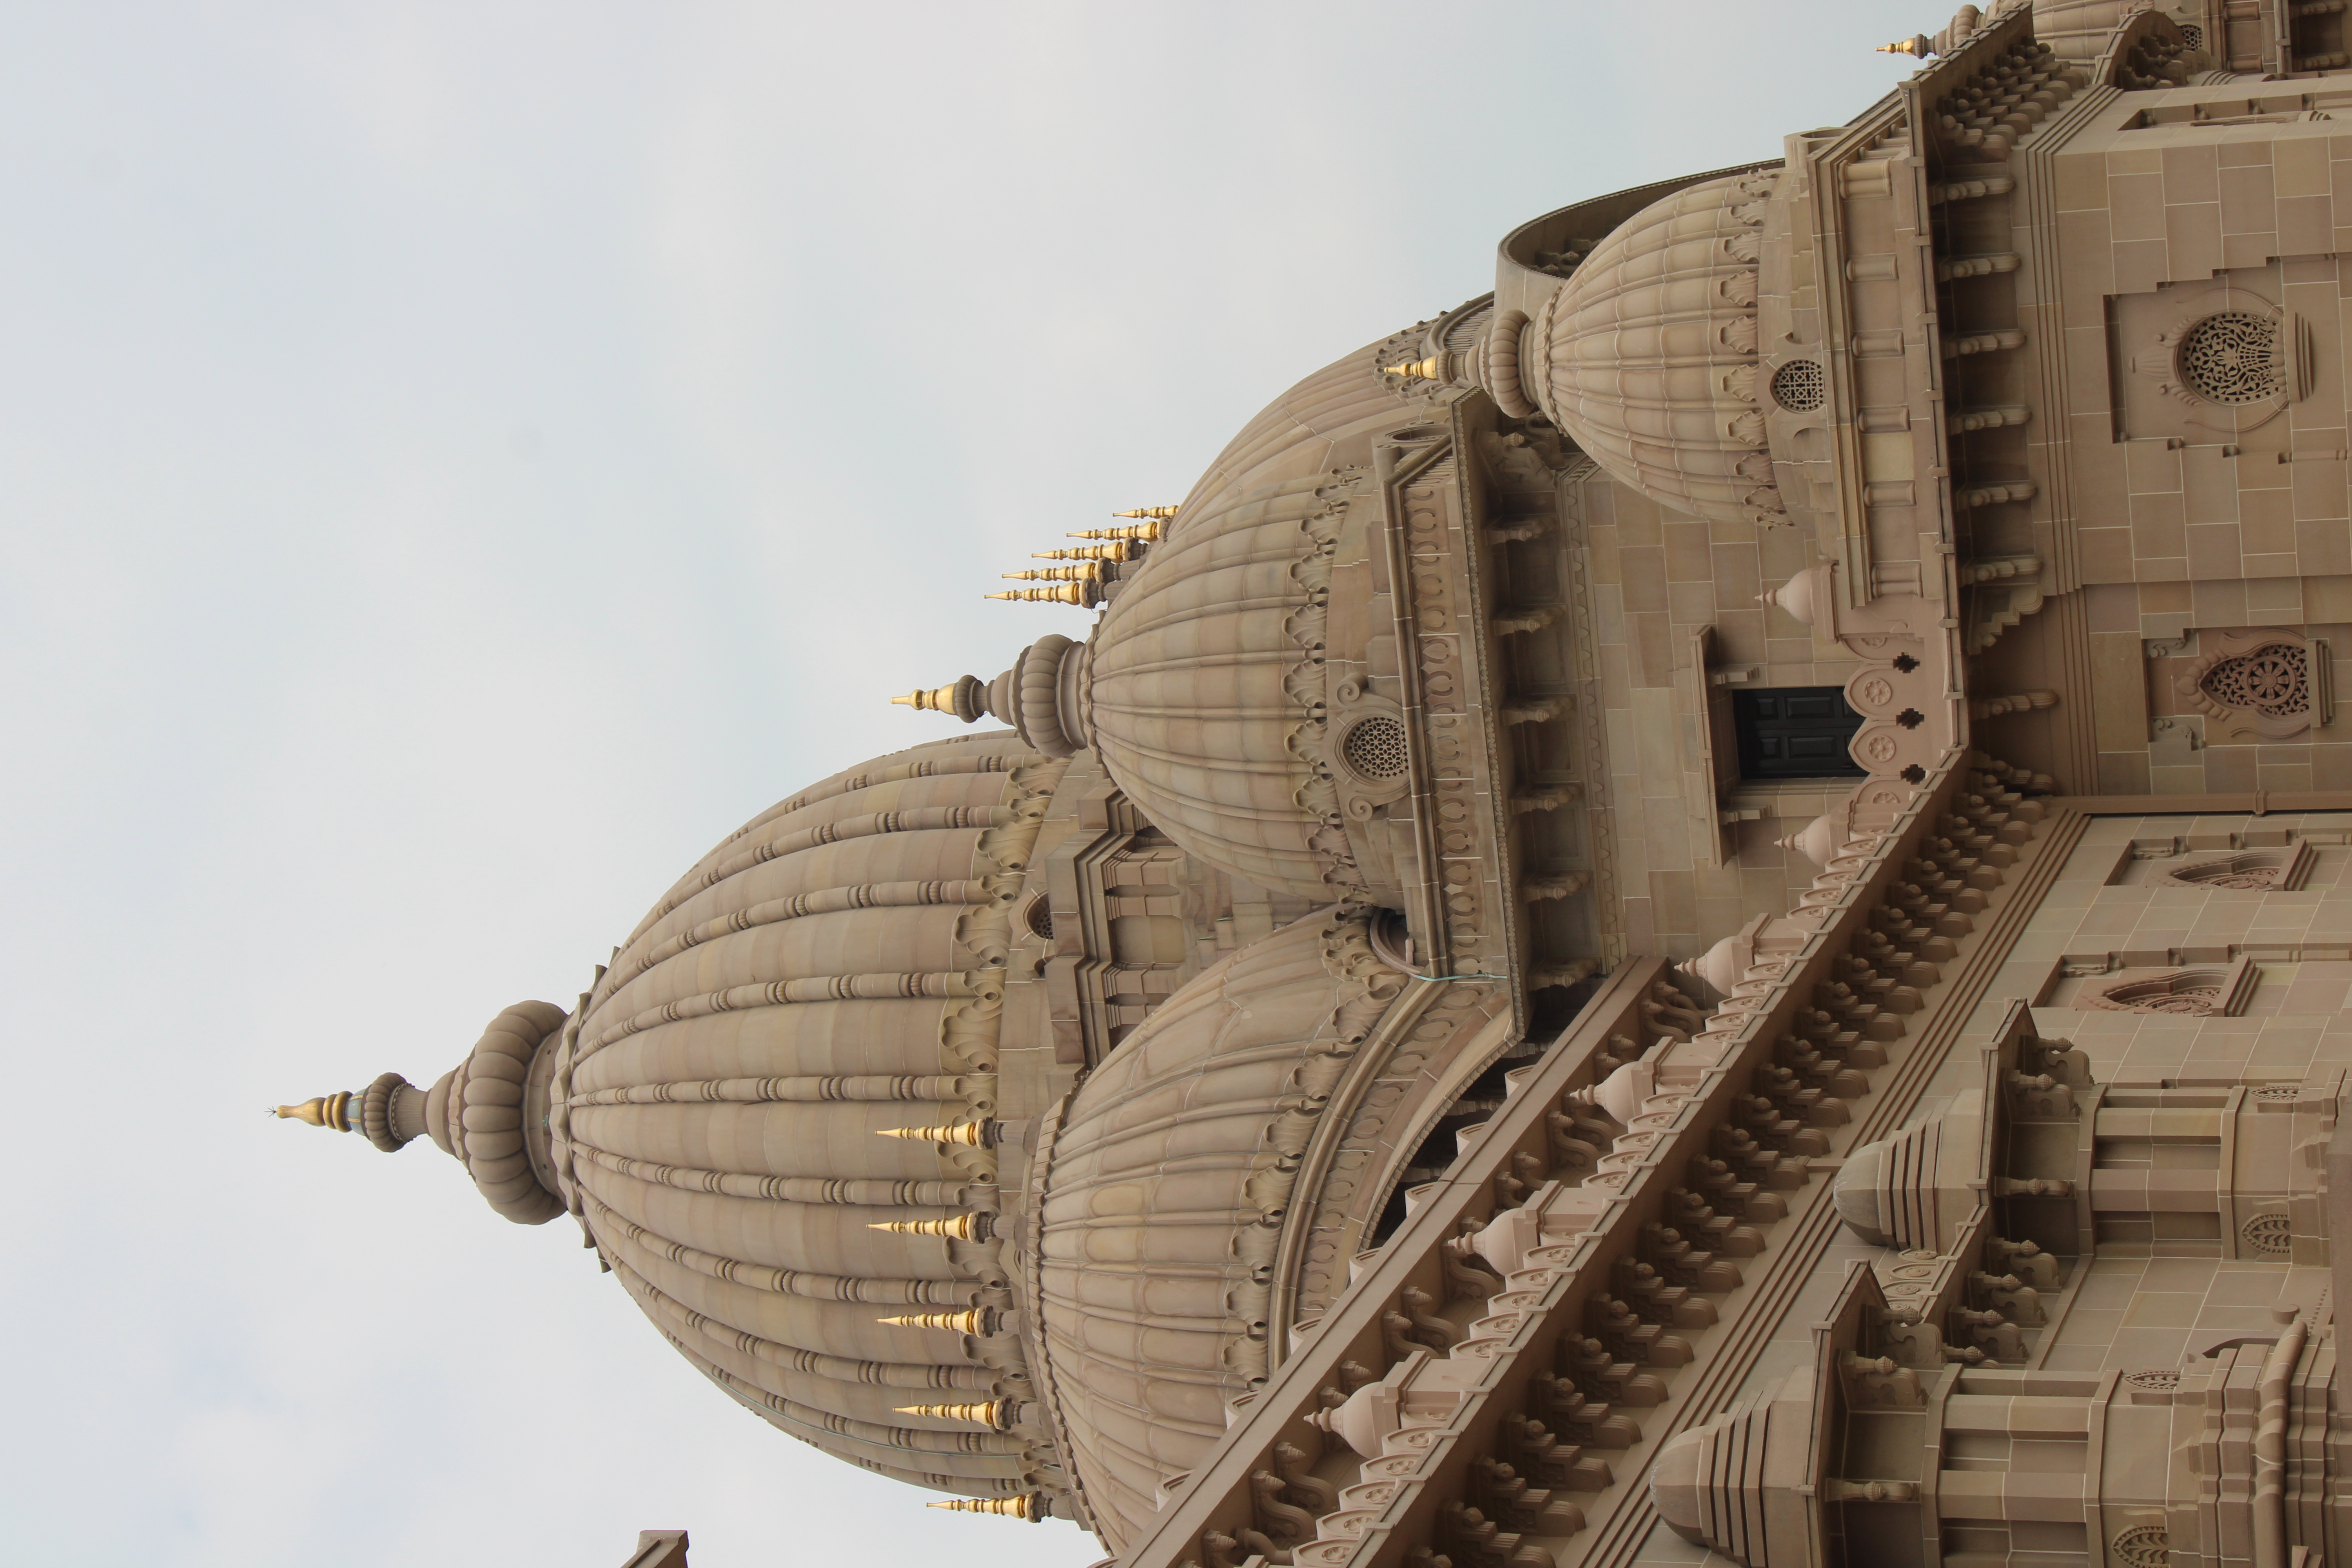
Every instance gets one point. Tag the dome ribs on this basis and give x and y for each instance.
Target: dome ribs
(787, 1189)
(985, 1446)
(878, 1292)
(864, 1353)
(824, 901)
(787, 992)
(860, 1390)
(920, 819)
(849, 784)
(934, 1088)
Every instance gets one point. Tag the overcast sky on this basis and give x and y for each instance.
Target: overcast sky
(456, 462)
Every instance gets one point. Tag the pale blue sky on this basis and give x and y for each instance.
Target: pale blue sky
(457, 461)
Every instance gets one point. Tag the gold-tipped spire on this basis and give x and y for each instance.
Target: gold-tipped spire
(1161, 513)
(972, 1134)
(981, 1320)
(961, 1228)
(1031, 1508)
(1084, 571)
(1918, 46)
(994, 1414)
(1117, 550)
(1430, 369)
(333, 1110)
(1148, 532)
(1084, 595)
(937, 699)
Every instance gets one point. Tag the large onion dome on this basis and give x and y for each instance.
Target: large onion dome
(1166, 1190)
(1646, 355)
(714, 1115)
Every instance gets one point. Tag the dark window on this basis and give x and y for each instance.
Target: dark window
(1795, 732)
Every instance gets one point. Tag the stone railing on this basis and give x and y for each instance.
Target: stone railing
(1611, 1250)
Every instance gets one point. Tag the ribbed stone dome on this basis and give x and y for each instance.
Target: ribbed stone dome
(716, 1115)
(1205, 688)
(831, 972)
(1646, 355)
(1164, 1193)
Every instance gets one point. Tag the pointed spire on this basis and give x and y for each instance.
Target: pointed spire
(980, 1320)
(1918, 46)
(965, 698)
(1430, 369)
(958, 1227)
(1161, 513)
(1148, 532)
(994, 1414)
(972, 1134)
(1031, 1506)
(1118, 549)
(1084, 571)
(1084, 595)
(331, 1110)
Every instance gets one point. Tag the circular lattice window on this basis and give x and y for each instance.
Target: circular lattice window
(1375, 749)
(1039, 918)
(2143, 1546)
(2272, 1235)
(2274, 681)
(1800, 385)
(2233, 357)
(2192, 37)
(2279, 1093)
(2154, 1380)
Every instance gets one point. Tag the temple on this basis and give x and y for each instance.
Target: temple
(1701, 909)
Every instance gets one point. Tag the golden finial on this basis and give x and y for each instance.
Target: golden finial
(1084, 595)
(1084, 571)
(961, 1228)
(981, 1320)
(1430, 369)
(972, 1134)
(1162, 513)
(994, 1413)
(327, 1110)
(938, 699)
(1149, 532)
(1918, 46)
(1118, 549)
(1031, 1508)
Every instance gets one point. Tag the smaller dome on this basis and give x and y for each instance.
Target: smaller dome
(1646, 356)
(1167, 1188)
